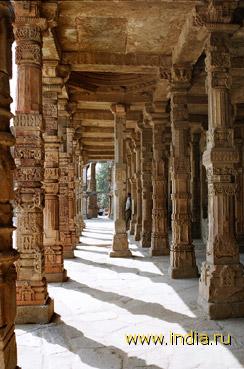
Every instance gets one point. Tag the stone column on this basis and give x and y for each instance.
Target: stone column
(138, 225)
(79, 221)
(66, 179)
(34, 304)
(92, 199)
(239, 198)
(53, 249)
(204, 191)
(221, 288)
(120, 247)
(71, 184)
(133, 190)
(159, 240)
(146, 180)
(8, 354)
(182, 255)
(195, 185)
(128, 167)
(65, 235)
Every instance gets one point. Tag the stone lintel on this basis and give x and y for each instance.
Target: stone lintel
(122, 63)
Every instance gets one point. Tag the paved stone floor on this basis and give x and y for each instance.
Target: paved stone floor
(105, 299)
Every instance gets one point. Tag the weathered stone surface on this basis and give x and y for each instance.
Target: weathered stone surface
(221, 286)
(146, 182)
(183, 263)
(120, 246)
(8, 352)
(29, 159)
(159, 237)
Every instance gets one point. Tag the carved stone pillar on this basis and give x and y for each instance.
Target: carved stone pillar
(53, 249)
(128, 176)
(182, 255)
(146, 180)
(65, 234)
(92, 199)
(34, 304)
(204, 191)
(160, 242)
(120, 246)
(195, 185)
(66, 181)
(138, 225)
(221, 288)
(71, 184)
(79, 221)
(128, 167)
(133, 190)
(239, 198)
(8, 354)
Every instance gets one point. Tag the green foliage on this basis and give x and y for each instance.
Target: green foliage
(103, 184)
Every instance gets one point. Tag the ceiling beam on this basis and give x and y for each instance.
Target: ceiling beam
(115, 62)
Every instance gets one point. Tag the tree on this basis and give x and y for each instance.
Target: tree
(103, 183)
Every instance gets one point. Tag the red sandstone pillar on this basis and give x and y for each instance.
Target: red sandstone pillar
(8, 354)
(33, 301)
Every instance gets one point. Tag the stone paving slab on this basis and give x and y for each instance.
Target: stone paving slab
(105, 299)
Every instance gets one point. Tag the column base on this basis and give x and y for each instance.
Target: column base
(120, 247)
(160, 246)
(120, 254)
(57, 277)
(69, 254)
(183, 273)
(183, 261)
(137, 235)
(219, 311)
(221, 290)
(35, 314)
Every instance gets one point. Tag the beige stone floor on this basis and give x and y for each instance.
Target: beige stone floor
(108, 298)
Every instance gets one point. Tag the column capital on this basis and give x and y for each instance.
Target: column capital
(181, 76)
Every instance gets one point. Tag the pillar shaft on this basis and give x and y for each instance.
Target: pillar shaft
(182, 255)
(239, 208)
(8, 354)
(146, 180)
(133, 191)
(66, 181)
(221, 286)
(34, 304)
(79, 221)
(195, 185)
(138, 225)
(120, 246)
(160, 243)
(92, 199)
(53, 249)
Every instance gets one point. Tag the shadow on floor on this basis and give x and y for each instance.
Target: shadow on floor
(91, 352)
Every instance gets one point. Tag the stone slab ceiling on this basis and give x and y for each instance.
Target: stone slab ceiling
(121, 26)
(114, 49)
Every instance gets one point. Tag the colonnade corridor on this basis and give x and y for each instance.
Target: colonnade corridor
(108, 298)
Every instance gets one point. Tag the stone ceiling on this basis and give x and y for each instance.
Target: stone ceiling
(117, 51)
